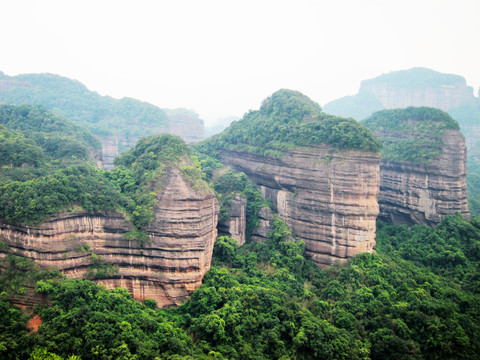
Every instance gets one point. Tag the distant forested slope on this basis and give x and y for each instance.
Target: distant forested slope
(102, 115)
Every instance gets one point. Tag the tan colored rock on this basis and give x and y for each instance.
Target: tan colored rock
(236, 225)
(167, 269)
(425, 193)
(328, 198)
(264, 228)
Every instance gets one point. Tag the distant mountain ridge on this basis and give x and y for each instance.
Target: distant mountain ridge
(422, 87)
(117, 123)
(415, 87)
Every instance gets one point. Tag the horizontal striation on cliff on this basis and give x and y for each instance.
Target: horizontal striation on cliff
(167, 268)
(328, 197)
(412, 193)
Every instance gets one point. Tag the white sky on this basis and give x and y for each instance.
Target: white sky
(223, 57)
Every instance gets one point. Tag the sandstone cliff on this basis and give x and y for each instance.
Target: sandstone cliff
(423, 167)
(321, 172)
(264, 228)
(236, 224)
(443, 96)
(165, 260)
(327, 198)
(186, 124)
(168, 268)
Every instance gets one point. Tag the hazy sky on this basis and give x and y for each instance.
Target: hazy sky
(224, 57)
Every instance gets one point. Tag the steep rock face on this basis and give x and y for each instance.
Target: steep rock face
(327, 197)
(443, 97)
(264, 228)
(167, 269)
(424, 193)
(236, 225)
(186, 124)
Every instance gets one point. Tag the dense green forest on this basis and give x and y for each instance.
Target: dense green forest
(290, 119)
(414, 134)
(102, 115)
(416, 298)
(47, 167)
(58, 137)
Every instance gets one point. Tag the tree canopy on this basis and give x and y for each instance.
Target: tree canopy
(289, 119)
(414, 134)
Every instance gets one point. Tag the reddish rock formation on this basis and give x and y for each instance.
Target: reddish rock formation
(167, 269)
(327, 197)
(34, 323)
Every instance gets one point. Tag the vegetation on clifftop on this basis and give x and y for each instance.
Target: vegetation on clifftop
(414, 134)
(289, 119)
(47, 168)
(140, 173)
(58, 137)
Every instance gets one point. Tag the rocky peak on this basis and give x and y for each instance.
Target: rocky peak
(321, 172)
(423, 167)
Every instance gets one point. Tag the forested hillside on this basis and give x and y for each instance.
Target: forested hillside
(417, 298)
(47, 167)
(102, 115)
(414, 134)
(290, 119)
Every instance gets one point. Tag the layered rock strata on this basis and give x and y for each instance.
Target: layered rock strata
(327, 197)
(413, 193)
(236, 225)
(264, 228)
(168, 268)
